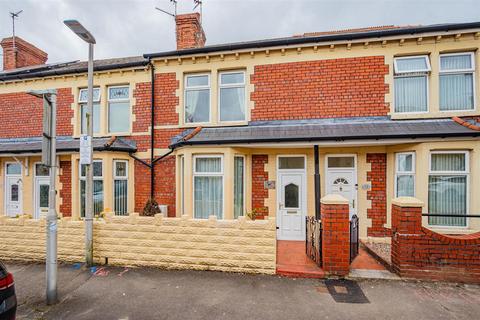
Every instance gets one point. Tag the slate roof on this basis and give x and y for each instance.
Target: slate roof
(343, 129)
(72, 67)
(64, 144)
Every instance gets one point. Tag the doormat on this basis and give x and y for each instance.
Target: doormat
(345, 291)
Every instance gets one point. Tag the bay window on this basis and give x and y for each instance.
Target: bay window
(457, 81)
(232, 96)
(448, 187)
(411, 84)
(119, 109)
(208, 186)
(97, 187)
(120, 187)
(405, 174)
(239, 186)
(83, 100)
(197, 98)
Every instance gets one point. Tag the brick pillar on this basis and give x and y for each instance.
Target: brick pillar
(406, 221)
(335, 235)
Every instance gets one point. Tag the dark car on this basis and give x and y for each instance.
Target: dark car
(8, 299)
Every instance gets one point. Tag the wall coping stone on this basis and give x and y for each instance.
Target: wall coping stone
(407, 202)
(334, 199)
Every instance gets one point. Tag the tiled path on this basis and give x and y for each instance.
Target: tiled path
(293, 262)
(366, 261)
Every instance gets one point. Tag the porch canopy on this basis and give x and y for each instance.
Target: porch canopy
(64, 145)
(335, 131)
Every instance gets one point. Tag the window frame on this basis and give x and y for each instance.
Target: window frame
(465, 173)
(13, 174)
(124, 178)
(425, 56)
(95, 178)
(244, 183)
(405, 173)
(458, 71)
(109, 100)
(186, 88)
(208, 174)
(181, 171)
(236, 85)
(80, 101)
(409, 74)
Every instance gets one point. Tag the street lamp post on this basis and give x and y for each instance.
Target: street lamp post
(86, 36)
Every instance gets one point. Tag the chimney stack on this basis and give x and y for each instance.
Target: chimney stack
(20, 54)
(189, 31)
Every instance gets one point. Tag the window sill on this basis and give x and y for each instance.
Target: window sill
(217, 124)
(435, 114)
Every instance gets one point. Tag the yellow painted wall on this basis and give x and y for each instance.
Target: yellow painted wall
(171, 243)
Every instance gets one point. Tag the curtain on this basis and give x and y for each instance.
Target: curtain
(456, 91)
(448, 162)
(405, 185)
(97, 197)
(232, 104)
(411, 64)
(238, 186)
(119, 117)
(447, 195)
(197, 105)
(208, 196)
(96, 118)
(411, 94)
(208, 164)
(120, 197)
(455, 62)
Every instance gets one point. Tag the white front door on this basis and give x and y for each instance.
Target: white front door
(291, 202)
(13, 193)
(42, 187)
(341, 178)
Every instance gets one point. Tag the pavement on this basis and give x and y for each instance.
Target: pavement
(137, 293)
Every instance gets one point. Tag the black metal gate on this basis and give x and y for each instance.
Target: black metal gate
(313, 243)
(353, 237)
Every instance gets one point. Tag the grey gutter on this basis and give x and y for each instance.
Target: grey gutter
(53, 72)
(318, 139)
(102, 148)
(314, 39)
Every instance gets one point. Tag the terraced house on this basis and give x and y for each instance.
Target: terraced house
(261, 128)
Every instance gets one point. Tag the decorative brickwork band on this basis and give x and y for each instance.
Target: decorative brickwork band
(418, 252)
(335, 235)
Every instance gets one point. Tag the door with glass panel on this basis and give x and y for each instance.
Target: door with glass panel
(41, 194)
(341, 179)
(13, 189)
(291, 198)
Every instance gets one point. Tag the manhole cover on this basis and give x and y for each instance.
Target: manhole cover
(345, 291)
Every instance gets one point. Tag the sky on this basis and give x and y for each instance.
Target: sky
(132, 27)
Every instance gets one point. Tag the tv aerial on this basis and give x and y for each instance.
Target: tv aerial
(174, 14)
(14, 16)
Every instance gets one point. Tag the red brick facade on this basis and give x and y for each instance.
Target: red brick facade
(418, 252)
(66, 192)
(377, 194)
(350, 87)
(22, 114)
(335, 239)
(259, 192)
(189, 31)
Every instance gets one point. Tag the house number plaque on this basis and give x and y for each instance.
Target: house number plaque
(269, 184)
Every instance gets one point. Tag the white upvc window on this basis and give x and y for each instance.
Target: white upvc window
(83, 100)
(457, 81)
(232, 96)
(120, 187)
(448, 187)
(197, 98)
(239, 186)
(411, 84)
(405, 174)
(98, 193)
(119, 109)
(208, 186)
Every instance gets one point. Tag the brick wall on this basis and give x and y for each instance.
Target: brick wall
(189, 31)
(22, 114)
(259, 176)
(24, 54)
(418, 252)
(377, 195)
(66, 192)
(142, 186)
(166, 99)
(165, 183)
(349, 87)
(142, 108)
(335, 238)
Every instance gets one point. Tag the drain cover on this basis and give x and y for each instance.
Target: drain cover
(345, 291)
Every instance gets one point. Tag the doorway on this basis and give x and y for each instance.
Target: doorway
(13, 189)
(341, 178)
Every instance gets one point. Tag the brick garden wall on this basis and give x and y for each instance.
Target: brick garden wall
(377, 212)
(259, 176)
(350, 87)
(418, 252)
